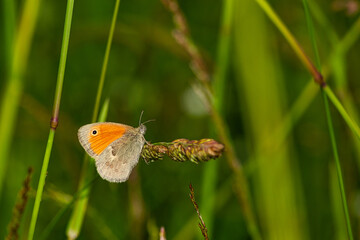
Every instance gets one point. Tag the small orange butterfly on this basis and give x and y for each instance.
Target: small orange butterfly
(115, 147)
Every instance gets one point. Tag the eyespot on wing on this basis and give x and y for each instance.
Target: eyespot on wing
(95, 138)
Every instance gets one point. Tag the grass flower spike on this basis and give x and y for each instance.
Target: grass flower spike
(182, 150)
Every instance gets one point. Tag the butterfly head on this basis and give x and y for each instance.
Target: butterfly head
(142, 129)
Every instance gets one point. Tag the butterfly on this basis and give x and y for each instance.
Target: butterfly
(115, 147)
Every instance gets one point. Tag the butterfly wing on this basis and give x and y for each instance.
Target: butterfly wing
(116, 162)
(96, 137)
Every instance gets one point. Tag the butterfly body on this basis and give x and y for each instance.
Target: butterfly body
(115, 147)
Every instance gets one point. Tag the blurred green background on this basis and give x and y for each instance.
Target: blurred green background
(292, 177)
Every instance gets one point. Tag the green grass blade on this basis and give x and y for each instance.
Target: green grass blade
(87, 174)
(340, 228)
(330, 124)
(184, 39)
(41, 184)
(311, 33)
(222, 60)
(281, 132)
(54, 119)
(9, 31)
(324, 23)
(14, 87)
(45, 234)
(208, 189)
(350, 122)
(338, 167)
(105, 62)
(291, 39)
(87, 171)
(261, 96)
(306, 61)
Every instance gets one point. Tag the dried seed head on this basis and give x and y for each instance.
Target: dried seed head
(196, 150)
(184, 150)
(151, 153)
(18, 211)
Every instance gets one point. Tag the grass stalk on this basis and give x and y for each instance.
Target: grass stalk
(45, 234)
(87, 174)
(330, 124)
(181, 34)
(325, 24)
(241, 183)
(311, 68)
(350, 122)
(261, 95)
(222, 57)
(77, 216)
(291, 40)
(311, 33)
(14, 86)
(309, 92)
(299, 107)
(9, 31)
(201, 224)
(19, 208)
(338, 65)
(221, 197)
(281, 132)
(209, 182)
(105, 62)
(54, 118)
(41, 184)
(336, 200)
(219, 80)
(338, 166)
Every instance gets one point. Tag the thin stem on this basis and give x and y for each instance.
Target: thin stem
(54, 119)
(19, 208)
(222, 57)
(330, 125)
(284, 128)
(202, 225)
(350, 122)
(292, 41)
(338, 166)
(210, 171)
(241, 182)
(62, 64)
(87, 174)
(309, 92)
(87, 171)
(324, 23)
(311, 33)
(41, 184)
(61, 212)
(315, 73)
(183, 38)
(105, 62)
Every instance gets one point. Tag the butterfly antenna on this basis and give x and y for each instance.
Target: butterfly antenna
(141, 114)
(151, 120)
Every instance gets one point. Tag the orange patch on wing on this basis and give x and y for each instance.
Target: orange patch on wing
(107, 133)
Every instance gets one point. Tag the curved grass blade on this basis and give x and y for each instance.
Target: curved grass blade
(55, 116)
